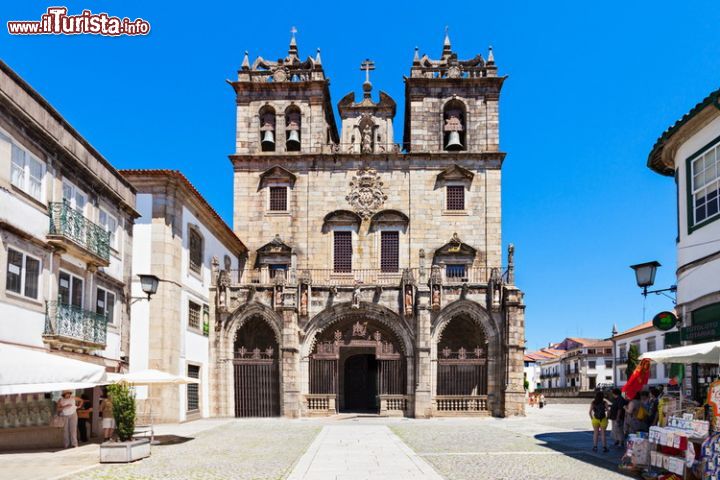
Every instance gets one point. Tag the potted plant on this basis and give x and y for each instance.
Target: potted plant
(126, 449)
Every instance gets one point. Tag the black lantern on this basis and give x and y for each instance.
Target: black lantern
(645, 277)
(149, 284)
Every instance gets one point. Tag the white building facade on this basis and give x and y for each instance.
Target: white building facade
(647, 339)
(689, 151)
(66, 220)
(177, 238)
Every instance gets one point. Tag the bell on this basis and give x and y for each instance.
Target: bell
(454, 141)
(294, 138)
(268, 138)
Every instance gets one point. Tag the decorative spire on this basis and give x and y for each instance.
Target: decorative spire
(293, 50)
(416, 57)
(614, 330)
(447, 47)
(246, 62)
(318, 61)
(491, 57)
(367, 65)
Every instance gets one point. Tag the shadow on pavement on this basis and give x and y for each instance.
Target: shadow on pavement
(578, 445)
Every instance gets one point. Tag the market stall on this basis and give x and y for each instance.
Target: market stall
(684, 444)
(28, 379)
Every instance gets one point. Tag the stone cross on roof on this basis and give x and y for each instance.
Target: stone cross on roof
(367, 65)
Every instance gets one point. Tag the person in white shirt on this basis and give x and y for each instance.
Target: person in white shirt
(67, 407)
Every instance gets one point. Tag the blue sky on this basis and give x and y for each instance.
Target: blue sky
(590, 88)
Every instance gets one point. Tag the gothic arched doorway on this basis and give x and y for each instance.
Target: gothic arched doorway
(256, 372)
(462, 373)
(357, 362)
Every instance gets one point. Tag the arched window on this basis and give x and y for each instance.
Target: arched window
(292, 129)
(196, 247)
(267, 129)
(454, 126)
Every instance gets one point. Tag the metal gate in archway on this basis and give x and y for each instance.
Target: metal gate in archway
(256, 371)
(348, 339)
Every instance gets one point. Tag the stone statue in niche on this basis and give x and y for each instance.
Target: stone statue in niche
(495, 286)
(278, 297)
(366, 145)
(435, 297)
(223, 285)
(356, 298)
(304, 300)
(408, 300)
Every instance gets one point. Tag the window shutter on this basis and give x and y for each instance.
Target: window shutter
(278, 199)
(455, 197)
(389, 251)
(342, 252)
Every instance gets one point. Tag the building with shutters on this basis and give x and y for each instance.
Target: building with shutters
(375, 279)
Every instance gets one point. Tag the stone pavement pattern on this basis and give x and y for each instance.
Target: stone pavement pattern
(360, 452)
(553, 443)
(243, 450)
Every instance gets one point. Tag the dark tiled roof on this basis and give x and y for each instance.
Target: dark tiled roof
(654, 159)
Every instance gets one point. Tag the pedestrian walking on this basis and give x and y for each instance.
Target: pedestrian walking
(108, 420)
(541, 401)
(599, 420)
(67, 407)
(83, 413)
(617, 416)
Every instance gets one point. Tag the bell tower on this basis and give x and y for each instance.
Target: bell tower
(283, 106)
(451, 105)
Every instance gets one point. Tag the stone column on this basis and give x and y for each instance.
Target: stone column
(290, 366)
(423, 371)
(515, 316)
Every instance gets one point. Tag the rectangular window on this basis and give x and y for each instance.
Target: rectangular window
(455, 272)
(608, 364)
(70, 289)
(622, 352)
(23, 274)
(455, 197)
(278, 199)
(105, 304)
(651, 347)
(75, 197)
(109, 223)
(279, 269)
(389, 251)
(196, 250)
(705, 185)
(27, 172)
(653, 370)
(591, 364)
(342, 252)
(193, 397)
(194, 315)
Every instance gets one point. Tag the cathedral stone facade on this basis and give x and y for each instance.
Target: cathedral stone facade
(374, 280)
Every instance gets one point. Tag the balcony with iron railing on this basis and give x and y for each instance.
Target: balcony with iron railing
(332, 278)
(70, 325)
(71, 230)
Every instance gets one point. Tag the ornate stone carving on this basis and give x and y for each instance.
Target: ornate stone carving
(359, 329)
(366, 193)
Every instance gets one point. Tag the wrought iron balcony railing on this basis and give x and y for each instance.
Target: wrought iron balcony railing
(72, 322)
(70, 223)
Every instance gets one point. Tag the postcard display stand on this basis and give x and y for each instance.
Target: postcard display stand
(676, 447)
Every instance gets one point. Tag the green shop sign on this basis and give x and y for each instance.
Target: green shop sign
(665, 321)
(704, 331)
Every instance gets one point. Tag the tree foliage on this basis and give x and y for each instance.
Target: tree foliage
(123, 410)
(633, 358)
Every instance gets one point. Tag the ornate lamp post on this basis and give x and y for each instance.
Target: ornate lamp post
(645, 277)
(149, 284)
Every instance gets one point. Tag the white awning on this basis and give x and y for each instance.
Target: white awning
(24, 370)
(700, 353)
(150, 377)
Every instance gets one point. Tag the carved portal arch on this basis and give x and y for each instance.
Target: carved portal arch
(366, 311)
(470, 309)
(249, 311)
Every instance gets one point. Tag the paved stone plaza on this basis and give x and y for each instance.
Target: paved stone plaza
(553, 443)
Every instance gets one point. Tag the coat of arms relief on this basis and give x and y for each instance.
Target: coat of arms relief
(366, 194)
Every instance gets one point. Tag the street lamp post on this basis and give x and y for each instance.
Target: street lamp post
(645, 277)
(149, 284)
